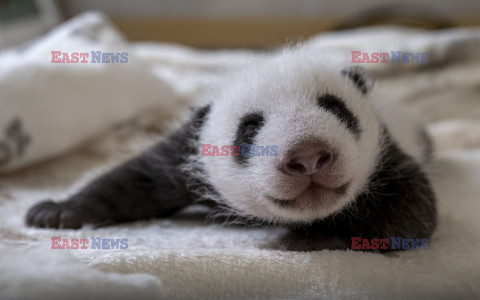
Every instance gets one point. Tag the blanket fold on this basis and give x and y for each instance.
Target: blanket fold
(48, 109)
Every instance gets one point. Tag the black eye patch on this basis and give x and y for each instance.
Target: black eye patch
(335, 105)
(247, 130)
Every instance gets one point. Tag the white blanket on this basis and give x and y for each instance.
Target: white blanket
(185, 258)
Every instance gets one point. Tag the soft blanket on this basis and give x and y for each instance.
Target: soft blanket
(88, 118)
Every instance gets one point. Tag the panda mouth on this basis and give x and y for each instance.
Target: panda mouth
(290, 203)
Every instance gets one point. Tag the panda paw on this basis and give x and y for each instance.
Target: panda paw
(49, 214)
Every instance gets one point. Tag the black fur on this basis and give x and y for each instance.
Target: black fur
(362, 80)
(336, 106)
(248, 128)
(150, 185)
(398, 202)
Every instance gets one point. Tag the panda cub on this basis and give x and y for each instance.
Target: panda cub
(344, 166)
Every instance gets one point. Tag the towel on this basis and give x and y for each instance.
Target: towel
(185, 257)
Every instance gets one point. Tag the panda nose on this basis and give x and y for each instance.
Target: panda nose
(307, 162)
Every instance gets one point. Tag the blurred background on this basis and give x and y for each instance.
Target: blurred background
(232, 23)
(63, 123)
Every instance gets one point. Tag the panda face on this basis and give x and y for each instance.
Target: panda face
(322, 123)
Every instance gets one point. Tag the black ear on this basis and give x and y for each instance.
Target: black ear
(361, 78)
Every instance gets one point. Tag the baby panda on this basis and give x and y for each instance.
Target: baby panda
(344, 165)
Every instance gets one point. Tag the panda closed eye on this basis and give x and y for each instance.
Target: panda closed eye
(336, 106)
(248, 128)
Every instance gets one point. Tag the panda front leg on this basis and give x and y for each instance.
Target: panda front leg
(145, 187)
(148, 186)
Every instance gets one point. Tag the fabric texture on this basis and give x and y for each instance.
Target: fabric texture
(63, 106)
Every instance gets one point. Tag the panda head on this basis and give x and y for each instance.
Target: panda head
(325, 136)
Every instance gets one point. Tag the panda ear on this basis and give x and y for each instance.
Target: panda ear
(361, 78)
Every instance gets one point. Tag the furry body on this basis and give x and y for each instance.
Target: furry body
(344, 168)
